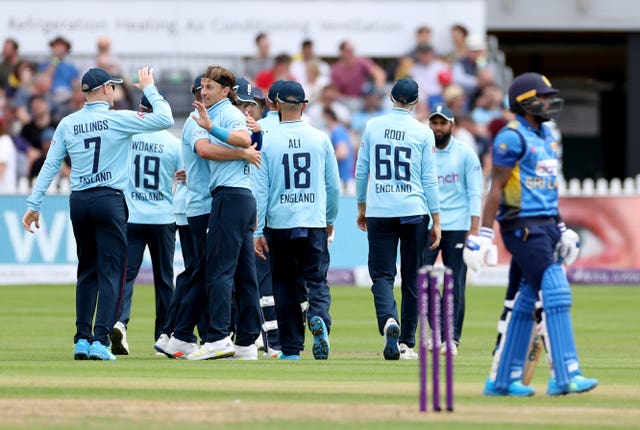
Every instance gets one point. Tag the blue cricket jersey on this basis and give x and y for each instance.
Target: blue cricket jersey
(460, 185)
(180, 204)
(155, 158)
(198, 173)
(397, 161)
(232, 173)
(532, 188)
(271, 120)
(98, 141)
(298, 183)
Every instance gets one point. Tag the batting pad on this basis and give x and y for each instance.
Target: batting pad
(518, 333)
(556, 300)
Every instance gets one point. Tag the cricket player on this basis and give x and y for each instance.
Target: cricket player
(155, 159)
(524, 199)
(297, 192)
(98, 141)
(397, 196)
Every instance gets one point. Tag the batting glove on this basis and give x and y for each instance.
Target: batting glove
(480, 250)
(568, 247)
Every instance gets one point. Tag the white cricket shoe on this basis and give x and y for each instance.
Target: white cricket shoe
(161, 343)
(273, 353)
(177, 348)
(118, 336)
(260, 343)
(246, 352)
(213, 350)
(407, 353)
(454, 349)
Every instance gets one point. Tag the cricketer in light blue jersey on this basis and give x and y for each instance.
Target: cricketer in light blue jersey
(297, 194)
(98, 141)
(397, 161)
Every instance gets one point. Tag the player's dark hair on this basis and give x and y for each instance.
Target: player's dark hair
(224, 77)
(260, 36)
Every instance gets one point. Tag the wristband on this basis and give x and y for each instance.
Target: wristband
(486, 232)
(220, 133)
(562, 227)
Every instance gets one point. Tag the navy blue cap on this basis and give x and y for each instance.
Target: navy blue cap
(197, 83)
(273, 90)
(444, 112)
(291, 92)
(244, 91)
(97, 77)
(144, 102)
(258, 94)
(405, 91)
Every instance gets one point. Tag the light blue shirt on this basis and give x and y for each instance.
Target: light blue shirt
(155, 158)
(198, 174)
(98, 141)
(460, 185)
(396, 167)
(271, 120)
(298, 183)
(232, 173)
(180, 204)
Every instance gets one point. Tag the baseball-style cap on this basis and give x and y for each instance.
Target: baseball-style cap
(97, 77)
(197, 83)
(291, 92)
(405, 91)
(244, 91)
(273, 90)
(258, 94)
(444, 112)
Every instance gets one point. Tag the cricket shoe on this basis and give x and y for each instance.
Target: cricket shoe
(97, 351)
(213, 350)
(272, 353)
(118, 336)
(81, 350)
(177, 348)
(320, 338)
(290, 357)
(260, 343)
(578, 384)
(407, 353)
(454, 349)
(515, 389)
(246, 352)
(391, 333)
(161, 343)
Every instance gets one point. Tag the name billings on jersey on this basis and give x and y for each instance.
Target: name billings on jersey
(153, 196)
(98, 177)
(142, 146)
(91, 126)
(393, 188)
(292, 198)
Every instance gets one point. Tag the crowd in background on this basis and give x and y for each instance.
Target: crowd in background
(343, 92)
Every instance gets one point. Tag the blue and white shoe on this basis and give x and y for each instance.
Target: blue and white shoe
(578, 384)
(391, 333)
(81, 350)
(515, 389)
(320, 338)
(98, 351)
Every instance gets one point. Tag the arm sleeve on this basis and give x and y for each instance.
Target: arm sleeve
(332, 182)
(429, 174)
(261, 187)
(135, 122)
(57, 153)
(473, 180)
(362, 168)
(507, 148)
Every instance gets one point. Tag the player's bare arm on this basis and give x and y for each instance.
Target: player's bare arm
(30, 217)
(436, 232)
(361, 220)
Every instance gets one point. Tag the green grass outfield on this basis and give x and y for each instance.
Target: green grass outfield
(42, 387)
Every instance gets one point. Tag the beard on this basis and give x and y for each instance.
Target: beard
(442, 141)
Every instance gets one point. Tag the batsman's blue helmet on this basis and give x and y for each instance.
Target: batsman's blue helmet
(525, 92)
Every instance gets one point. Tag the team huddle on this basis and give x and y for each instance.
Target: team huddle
(254, 200)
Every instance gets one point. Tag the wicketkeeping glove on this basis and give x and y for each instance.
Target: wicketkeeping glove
(480, 250)
(568, 247)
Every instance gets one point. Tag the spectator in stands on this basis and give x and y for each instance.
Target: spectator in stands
(106, 60)
(344, 150)
(262, 61)
(426, 71)
(63, 74)
(349, 73)
(316, 80)
(8, 159)
(402, 67)
(459, 35)
(329, 97)
(10, 59)
(465, 69)
(41, 120)
(455, 99)
(302, 61)
(279, 71)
